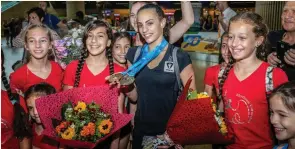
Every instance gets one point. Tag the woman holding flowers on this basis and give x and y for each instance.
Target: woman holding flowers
(34, 92)
(245, 103)
(96, 62)
(155, 93)
(39, 68)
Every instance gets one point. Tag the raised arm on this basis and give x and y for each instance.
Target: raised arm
(177, 31)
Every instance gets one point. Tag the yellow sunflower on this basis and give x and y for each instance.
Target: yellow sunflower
(68, 134)
(105, 126)
(81, 106)
(202, 95)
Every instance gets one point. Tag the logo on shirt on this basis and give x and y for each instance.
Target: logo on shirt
(236, 107)
(169, 66)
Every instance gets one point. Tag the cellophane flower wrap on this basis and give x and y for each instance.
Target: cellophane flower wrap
(50, 108)
(69, 47)
(195, 121)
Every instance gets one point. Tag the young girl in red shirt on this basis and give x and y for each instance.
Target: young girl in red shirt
(34, 92)
(120, 45)
(243, 84)
(96, 62)
(39, 43)
(212, 73)
(15, 129)
(282, 114)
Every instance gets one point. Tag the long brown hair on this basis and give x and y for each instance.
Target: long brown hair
(89, 27)
(259, 29)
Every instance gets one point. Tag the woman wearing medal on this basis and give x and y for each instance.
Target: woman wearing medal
(155, 79)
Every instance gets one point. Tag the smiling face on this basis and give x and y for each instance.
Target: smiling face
(31, 104)
(38, 42)
(282, 119)
(97, 41)
(120, 49)
(288, 17)
(242, 40)
(150, 26)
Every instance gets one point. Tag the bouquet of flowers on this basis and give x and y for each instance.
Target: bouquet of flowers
(68, 48)
(84, 122)
(81, 117)
(195, 120)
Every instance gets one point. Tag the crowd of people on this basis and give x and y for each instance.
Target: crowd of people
(252, 84)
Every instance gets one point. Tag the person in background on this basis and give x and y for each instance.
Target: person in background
(6, 31)
(226, 13)
(287, 35)
(51, 20)
(12, 29)
(121, 43)
(36, 16)
(213, 73)
(176, 32)
(80, 18)
(208, 24)
(282, 114)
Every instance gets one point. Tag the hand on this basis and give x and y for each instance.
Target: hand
(290, 57)
(220, 18)
(114, 81)
(272, 59)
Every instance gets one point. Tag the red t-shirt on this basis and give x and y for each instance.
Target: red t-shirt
(7, 116)
(246, 108)
(211, 75)
(23, 78)
(87, 78)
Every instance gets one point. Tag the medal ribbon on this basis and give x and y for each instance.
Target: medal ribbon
(146, 57)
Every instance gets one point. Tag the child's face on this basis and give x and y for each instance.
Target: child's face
(282, 119)
(32, 108)
(242, 40)
(120, 49)
(97, 41)
(224, 49)
(38, 43)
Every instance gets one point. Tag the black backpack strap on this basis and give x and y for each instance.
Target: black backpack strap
(176, 68)
(137, 54)
(269, 85)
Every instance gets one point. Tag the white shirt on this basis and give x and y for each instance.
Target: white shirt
(228, 13)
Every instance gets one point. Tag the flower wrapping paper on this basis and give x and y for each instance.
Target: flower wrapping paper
(49, 107)
(192, 122)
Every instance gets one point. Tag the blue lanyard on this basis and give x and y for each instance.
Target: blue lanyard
(146, 58)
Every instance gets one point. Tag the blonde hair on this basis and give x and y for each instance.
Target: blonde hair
(51, 54)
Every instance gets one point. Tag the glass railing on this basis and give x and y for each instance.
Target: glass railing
(8, 5)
